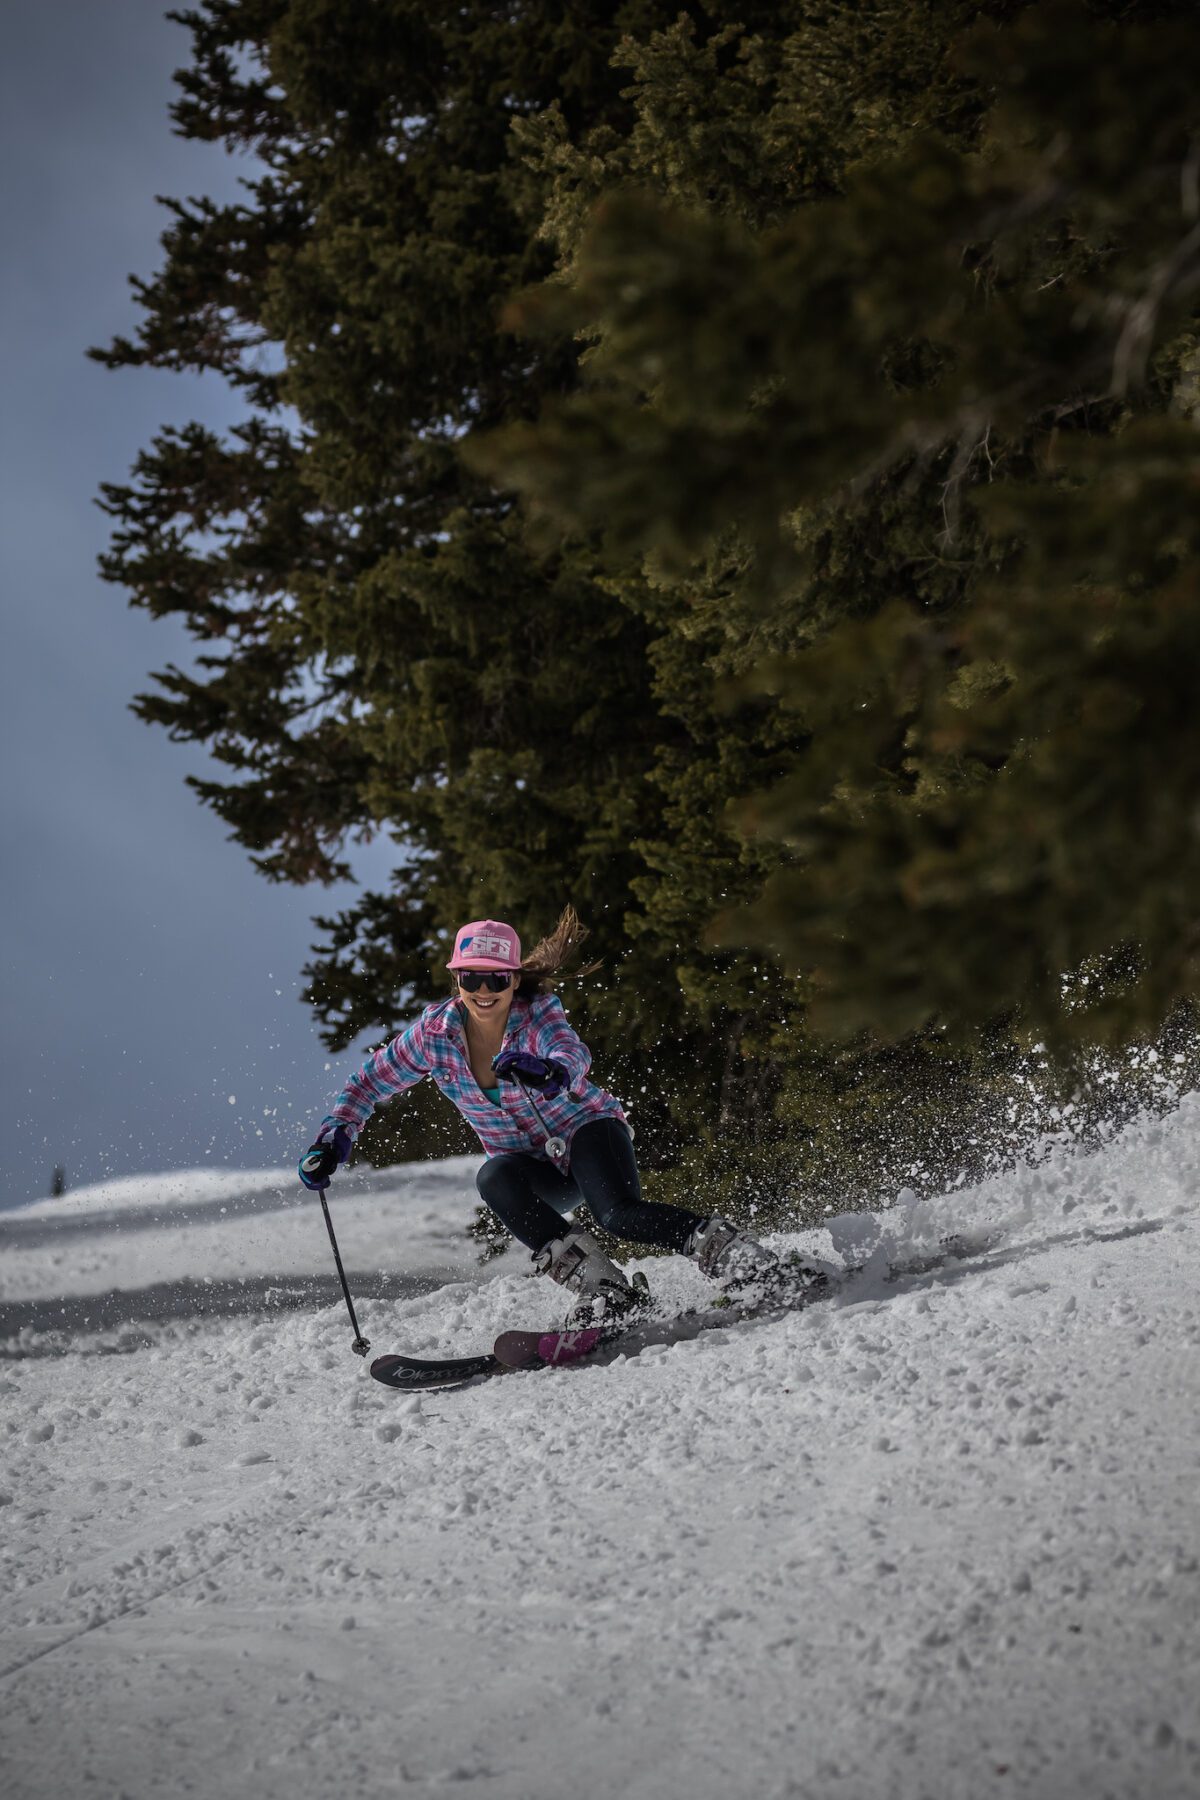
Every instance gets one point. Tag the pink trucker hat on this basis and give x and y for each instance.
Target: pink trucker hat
(485, 944)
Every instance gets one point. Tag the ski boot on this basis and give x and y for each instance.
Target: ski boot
(606, 1297)
(743, 1266)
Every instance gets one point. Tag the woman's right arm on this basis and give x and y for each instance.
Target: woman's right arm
(398, 1065)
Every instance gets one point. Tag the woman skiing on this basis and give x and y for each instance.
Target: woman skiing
(502, 1034)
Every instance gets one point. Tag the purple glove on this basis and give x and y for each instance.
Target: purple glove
(549, 1078)
(319, 1163)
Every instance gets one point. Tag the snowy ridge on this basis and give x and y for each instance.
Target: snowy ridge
(185, 1189)
(233, 1225)
(932, 1539)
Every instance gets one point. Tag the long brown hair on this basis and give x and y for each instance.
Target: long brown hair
(549, 962)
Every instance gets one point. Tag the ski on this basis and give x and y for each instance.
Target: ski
(558, 1347)
(413, 1373)
(555, 1348)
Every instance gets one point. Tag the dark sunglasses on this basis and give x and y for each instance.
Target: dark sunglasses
(495, 980)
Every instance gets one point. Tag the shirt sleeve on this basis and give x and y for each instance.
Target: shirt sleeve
(398, 1065)
(554, 1038)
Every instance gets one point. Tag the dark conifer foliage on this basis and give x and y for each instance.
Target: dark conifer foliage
(381, 647)
(727, 466)
(909, 416)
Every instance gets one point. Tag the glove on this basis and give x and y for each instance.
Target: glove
(318, 1163)
(550, 1078)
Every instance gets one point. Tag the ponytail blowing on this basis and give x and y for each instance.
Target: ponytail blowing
(550, 961)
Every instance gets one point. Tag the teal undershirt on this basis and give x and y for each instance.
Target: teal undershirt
(492, 1093)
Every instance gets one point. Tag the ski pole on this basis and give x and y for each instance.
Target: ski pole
(361, 1345)
(555, 1146)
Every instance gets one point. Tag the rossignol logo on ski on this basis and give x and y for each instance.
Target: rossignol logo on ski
(569, 1346)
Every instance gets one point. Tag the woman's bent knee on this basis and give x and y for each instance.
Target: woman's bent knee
(491, 1178)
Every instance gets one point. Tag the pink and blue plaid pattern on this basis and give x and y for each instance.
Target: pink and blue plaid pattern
(435, 1046)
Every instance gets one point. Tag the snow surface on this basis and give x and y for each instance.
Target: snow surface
(931, 1539)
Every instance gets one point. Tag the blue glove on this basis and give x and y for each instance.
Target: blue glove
(550, 1078)
(318, 1163)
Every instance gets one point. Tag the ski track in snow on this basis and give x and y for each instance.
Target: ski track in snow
(926, 1540)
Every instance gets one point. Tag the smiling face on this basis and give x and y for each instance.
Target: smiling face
(486, 1008)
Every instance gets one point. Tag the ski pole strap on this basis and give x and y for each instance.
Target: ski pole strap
(556, 1147)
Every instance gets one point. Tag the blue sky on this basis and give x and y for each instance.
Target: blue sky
(148, 973)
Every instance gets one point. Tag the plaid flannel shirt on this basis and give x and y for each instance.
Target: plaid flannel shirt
(434, 1047)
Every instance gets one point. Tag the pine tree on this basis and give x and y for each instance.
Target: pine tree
(890, 388)
(726, 466)
(382, 646)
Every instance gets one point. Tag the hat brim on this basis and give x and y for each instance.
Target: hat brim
(484, 964)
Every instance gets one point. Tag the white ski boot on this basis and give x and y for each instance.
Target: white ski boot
(576, 1261)
(739, 1262)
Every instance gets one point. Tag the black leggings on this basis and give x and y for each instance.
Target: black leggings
(530, 1195)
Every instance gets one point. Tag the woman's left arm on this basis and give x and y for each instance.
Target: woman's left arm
(559, 1042)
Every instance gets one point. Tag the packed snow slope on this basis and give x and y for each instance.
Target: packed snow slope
(933, 1538)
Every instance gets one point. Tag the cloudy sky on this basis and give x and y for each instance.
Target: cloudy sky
(150, 1005)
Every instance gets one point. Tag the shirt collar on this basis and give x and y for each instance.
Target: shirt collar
(448, 1018)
